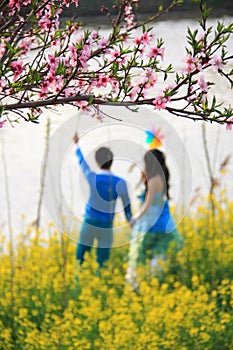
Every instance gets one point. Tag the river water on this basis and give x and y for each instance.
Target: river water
(23, 148)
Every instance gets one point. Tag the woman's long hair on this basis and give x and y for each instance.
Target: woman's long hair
(155, 165)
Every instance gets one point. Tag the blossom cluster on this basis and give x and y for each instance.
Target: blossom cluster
(54, 62)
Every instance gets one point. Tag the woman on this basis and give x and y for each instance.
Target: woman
(153, 226)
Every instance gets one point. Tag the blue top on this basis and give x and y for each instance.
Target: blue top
(157, 218)
(105, 188)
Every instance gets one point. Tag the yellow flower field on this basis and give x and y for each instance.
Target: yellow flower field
(187, 306)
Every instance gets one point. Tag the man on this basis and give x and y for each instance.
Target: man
(105, 188)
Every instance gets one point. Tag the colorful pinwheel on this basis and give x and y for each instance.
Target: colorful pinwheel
(154, 138)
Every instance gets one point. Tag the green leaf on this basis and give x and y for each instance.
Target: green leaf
(160, 8)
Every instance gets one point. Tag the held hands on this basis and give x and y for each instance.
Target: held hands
(132, 221)
(75, 138)
(135, 218)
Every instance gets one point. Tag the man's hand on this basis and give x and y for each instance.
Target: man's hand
(75, 138)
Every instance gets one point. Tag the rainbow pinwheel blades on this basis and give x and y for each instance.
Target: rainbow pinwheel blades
(154, 138)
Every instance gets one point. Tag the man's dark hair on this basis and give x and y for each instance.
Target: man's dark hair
(104, 157)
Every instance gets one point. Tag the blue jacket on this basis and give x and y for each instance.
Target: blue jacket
(105, 188)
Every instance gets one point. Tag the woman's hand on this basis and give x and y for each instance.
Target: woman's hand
(75, 138)
(131, 223)
(133, 220)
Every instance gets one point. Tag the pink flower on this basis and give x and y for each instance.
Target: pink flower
(80, 84)
(45, 23)
(55, 83)
(39, 14)
(203, 84)
(216, 62)
(73, 56)
(160, 101)
(115, 54)
(138, 40)
(125, 37)
(94, 34)
(85, 55)
(102, 43)
(18, 68)
(121, 60)
(129, 16)
(144, 39)
(73, 52)
(83, 105)
(128, 10)
(55, 43)
(156, 51)
(9, 91)
(115, 84)
(2, 123)
(25, 44)
(133, 93)
(44, 87)
(204, 98)
(14, 3)
(149, 78)
(68, 2)
(191, 64)
(147, 38)
(70, 92)
(53, 62)
(130, 19)
(202, 54)
(192, 98)
(102, 81)
(2, 49)
(229, 125)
